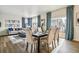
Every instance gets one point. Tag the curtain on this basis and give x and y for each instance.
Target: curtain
(38, 20)
(69, 23)
(48, 20)
(30, 22)
(23, 23)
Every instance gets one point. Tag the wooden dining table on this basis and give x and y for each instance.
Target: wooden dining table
(38, 36)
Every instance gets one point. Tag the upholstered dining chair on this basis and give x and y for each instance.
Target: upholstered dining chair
(56, 40)
(30, 40)
(49, 40)
(39, 29)
(34, 29)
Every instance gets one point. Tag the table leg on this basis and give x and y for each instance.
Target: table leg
(38, 44)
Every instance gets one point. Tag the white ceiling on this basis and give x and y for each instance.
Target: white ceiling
(28, 10)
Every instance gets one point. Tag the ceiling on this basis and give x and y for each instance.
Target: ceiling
(28, 10)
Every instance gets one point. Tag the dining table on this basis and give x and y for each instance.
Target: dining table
(38, 35)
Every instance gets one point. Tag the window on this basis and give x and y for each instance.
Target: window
(62, 24)
(34, 22)
(26, 22)
(59, 22)
(53, 22)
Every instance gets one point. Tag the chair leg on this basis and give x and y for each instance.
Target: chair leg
(31, 48)
(57, 41)
(34, 47)
(48, 48)
(52, 45)
(27, 47)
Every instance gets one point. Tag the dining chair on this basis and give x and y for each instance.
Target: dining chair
(56, 40)
(33, 29)
(30, 41)
(27, 42)
(49, 40)
(39, 29)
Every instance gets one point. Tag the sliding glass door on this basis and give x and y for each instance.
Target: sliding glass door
(60, 22)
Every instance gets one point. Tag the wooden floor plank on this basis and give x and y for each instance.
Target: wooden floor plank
(68, 46)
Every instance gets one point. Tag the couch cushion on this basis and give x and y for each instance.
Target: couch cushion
(22, 34)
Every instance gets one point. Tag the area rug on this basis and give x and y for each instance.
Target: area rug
(16, 39)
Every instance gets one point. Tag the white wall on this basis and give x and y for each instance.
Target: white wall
(76, 27)
(4, 16)
(59, 13)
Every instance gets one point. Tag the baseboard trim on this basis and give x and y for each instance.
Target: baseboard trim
(75, 41)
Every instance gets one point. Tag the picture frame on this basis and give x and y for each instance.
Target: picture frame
(77, 18)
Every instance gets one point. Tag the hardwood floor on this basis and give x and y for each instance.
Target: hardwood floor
(9, 48)
(68, 47)
(6, 46)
